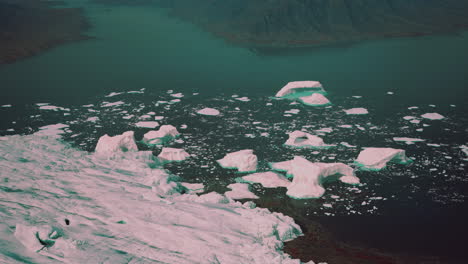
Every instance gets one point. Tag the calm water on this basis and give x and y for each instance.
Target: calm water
(141, 47)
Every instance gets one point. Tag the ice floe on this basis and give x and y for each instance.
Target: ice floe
(208, 111)
(316, 99)
(432, 116)
(240, 191)
(173, 154)
(302, 139)
(164, 134)
(377, 158)
(108, 104)
(308, 177)
(356, 111)
(243, 160)
(147, 124)
(408, 140)
(109, 146)
(294, 87)
(267, 179)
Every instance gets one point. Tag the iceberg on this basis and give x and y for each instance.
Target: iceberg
(377, 158)
(302, 139)
(408, 140)
(147, 124)
(173, 154)
(356, 111)
(308, 177)
(243, 160)
(208, 111)
(164, 134)
(109, 146)
(433, 116)
(91, 210)
(240, 191)
(316, 99)
(299, 86)
(267, 179)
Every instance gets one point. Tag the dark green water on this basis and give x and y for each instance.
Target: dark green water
(141, 47)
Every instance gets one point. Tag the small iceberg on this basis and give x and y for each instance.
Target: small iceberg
(299, 86)
(240, 191)
(147, 124)
(267, 179)
(302, 139)
(308, 177)
(109, 146)
(377, 158)
(433, 116)
(316, 99)
(408, 140)
(243, 160)
(173, 154)
(164, 134)
(357, 111)
(208, 111)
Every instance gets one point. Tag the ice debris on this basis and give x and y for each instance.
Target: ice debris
(173, 154)
(305, 140)
(164, 134)
(243, 160)
(377, 158)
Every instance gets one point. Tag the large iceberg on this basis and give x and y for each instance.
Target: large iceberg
(173, 154)
(377, 158)
(243, 160)
(299, 86)
(93, 210)
(109, 146)
(164, 134)
(267, 179)
(308, 177)
(305, 140)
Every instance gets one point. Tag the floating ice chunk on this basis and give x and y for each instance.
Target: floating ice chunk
(433, 116)
(158, 118)
(147, 124)
(408, 140)
(325, 130)
(240, 191)
(243, 160)
(267, 179)
(107, 104)
(413, 107)
(113, 94)
(346, 126)
(243, 99)
(356, 111)
(316, 99)
(346, 144)
(357, 96)
(109, 146)
(377, 158)
(292, 111)
(309, 176)
(177, 95)
(92, 119)
(415, 121)
(164, 134)
(464, 148)
(390, 93)
(305, 140)
(145, 117)
(51, 107)
(6, 105)
(409, 117)
(173, 154)
(294, 87)
(208, 111)
(127, 117)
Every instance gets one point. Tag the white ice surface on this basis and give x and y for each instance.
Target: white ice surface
(408, 140)
(305, 140)
(240, 191)
(109, 146)
(268, 179)
(158, 137)
(356, 111)
(316, 99)
(147, 124)
(432, 116)
(173, 154)
(208, 111)
(115, 216)
(377, 158)
(294, 87)
(243, 160)
(308, 177)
